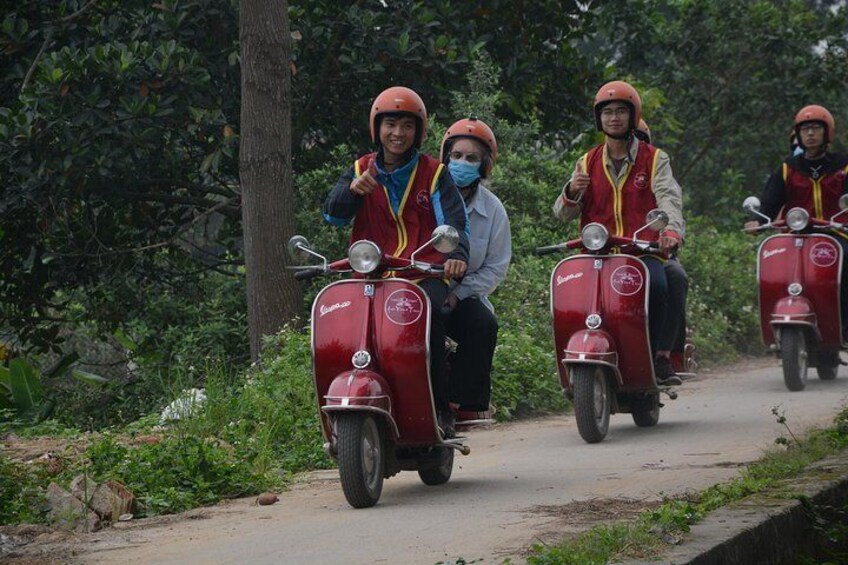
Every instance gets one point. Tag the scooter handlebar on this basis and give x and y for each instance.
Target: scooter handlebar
(550, 249)
(307, 274)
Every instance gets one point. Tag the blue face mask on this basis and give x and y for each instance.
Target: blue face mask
(463, 172)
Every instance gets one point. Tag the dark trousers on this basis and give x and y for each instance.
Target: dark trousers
(475, 329)
(658, 301)
(674, 331)
(843, 287)
(437, 291)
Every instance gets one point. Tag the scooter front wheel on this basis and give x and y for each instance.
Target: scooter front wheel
(591, 401)
(361, 458)
(793, 353)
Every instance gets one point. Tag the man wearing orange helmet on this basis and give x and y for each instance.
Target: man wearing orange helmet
(615, 184)
(813, 180)
(469, 150)
(395, 197)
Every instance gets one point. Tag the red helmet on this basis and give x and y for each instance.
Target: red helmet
(475, 129)
(643, 129)
(815, 113)
(618, 91)
(399, 99)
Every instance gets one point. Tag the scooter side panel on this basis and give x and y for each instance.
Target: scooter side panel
(622, 282)
(402, 330)
(812, 260)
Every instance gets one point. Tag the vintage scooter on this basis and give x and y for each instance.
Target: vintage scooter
(798, 274)
(599, 303)
(371, 368)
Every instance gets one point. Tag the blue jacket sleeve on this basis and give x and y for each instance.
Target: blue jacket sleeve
(341, 204)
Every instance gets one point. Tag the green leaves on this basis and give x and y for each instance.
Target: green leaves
(24, 386)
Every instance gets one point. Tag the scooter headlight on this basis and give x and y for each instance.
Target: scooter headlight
(797, 219)
(594, 237)
(364, 256)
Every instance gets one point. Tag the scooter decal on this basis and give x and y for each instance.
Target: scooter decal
(823, 254)
(403, 307)
(332, 308)
(560, 279)
(626, 280)
(767, 253)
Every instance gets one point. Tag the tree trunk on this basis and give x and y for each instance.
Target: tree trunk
(273, 297)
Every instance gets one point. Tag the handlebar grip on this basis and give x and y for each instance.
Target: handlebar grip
(307, 274)
(548, 249)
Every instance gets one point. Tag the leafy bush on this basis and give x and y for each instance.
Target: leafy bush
(21, 496)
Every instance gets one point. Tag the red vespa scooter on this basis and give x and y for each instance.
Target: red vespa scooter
(798, 276)
(371, 367)
(599, 303)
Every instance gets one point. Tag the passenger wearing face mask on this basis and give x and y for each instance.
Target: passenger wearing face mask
(469, 149)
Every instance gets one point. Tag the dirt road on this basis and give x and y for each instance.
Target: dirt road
(508, 494)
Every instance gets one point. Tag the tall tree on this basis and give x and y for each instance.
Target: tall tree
(265, 166)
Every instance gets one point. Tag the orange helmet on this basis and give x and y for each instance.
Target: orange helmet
(475, 129)
(643, 132)
(399, 99)
(618, 91)
(815, 113)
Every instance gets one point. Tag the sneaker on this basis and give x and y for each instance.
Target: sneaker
(446, 424)
(665, 372)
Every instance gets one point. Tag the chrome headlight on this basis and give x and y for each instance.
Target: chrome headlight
(594, 236)
(797, 219)
(364, 256)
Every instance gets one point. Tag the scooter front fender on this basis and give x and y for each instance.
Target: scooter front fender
(360, 390)
(794, 311)
(590, 346)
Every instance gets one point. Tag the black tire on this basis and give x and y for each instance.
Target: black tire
(361, 458)
(793, 353)
(441, 473)
(828, 365)
(647, 413)
(592, 401)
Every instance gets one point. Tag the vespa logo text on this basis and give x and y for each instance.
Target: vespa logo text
(627, 280)
(823, 254)
(767, 253)
(560, 280)
(334, 307)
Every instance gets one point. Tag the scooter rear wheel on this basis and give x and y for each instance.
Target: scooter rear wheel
(591, 401)
(647, 414)
(440, 473)
(361, 458)
(828, 365)
(793, 353)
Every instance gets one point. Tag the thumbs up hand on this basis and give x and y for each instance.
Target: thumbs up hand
(365, 183)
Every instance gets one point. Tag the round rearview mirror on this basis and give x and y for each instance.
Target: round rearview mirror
(446, 238)
(296, 247)
(843, 202)
(656, 219)
(751, 204)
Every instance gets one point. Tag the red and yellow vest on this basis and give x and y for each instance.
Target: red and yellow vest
(819, 197)
(402, 233)
(621, 208)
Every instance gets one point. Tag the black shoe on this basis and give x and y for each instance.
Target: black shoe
(446, 424)
(665, 372)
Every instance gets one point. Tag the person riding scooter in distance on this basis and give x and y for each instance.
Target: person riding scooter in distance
(678, 280)
(469, 150)
(615, 184)
(813, 180)
(395, 197)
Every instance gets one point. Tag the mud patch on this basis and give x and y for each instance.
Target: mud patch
(588, 513)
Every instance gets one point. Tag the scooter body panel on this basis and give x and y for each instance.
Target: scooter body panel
(615, 287)
(799, 285)
(390, 319)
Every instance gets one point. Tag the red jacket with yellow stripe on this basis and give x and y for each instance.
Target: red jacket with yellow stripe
(620, 207)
